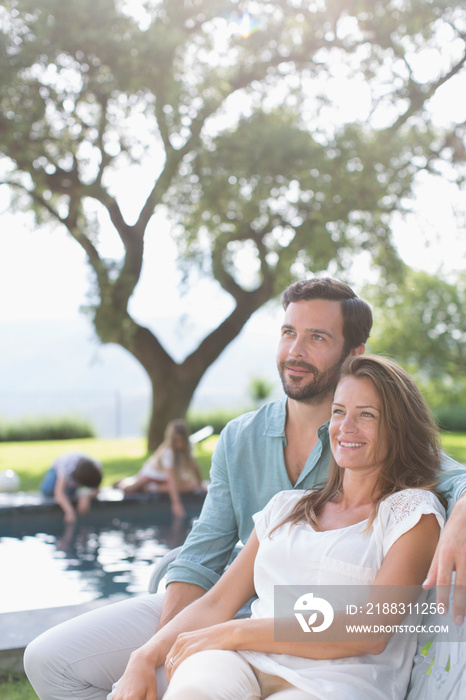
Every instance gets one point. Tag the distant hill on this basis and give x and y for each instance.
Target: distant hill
(53, 367)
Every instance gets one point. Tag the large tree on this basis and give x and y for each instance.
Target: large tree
(226, 107)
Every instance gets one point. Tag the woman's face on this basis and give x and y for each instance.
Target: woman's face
(178, 442)
(357, 438)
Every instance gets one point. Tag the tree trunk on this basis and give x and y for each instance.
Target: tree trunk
(173, 384)
(171, 396)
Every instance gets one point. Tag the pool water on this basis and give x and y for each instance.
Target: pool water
(74, 564)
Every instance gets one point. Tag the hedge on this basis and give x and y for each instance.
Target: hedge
(217, 418)
(46, 428)
(451, 418)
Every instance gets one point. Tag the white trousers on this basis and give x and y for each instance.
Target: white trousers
(226, 675)
(82, 658)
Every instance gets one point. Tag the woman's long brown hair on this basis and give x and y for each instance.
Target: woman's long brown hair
(413, 459)
(182, 458)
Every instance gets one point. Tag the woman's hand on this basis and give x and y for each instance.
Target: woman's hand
(177, 510)
(217, 637)
(138, 681)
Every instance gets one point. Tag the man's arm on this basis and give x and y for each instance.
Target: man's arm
(235, 588)
(450, 555)
(452, 483)
(177, 597)
(208, 546)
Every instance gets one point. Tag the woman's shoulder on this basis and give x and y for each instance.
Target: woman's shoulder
(281, 504)
(405, 503)
(288, 497)
(403, 510)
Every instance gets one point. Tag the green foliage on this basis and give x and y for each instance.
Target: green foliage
(451, 418)
(217, 418)
(259, 389)
(46, 428)
(421, 322)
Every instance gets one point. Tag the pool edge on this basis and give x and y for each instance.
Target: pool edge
(19, 628)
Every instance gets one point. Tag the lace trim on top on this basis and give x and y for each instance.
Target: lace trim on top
(403, 503)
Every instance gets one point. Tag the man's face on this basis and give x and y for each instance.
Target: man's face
(311, 349)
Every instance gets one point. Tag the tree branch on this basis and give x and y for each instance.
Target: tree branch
(162, 124)
(423, 94)
(214, 344)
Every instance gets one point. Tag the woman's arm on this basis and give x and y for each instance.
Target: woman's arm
(231, 592)
(208, 547)
(197, 472)
(177, 506)
(405, 564)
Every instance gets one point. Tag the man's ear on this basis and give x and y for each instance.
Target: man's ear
(359, 350)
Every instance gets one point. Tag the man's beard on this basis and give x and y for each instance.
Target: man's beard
(312, 391)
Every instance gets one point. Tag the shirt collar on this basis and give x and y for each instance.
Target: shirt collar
(276, 418)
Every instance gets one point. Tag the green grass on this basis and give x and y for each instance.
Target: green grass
(455, 445)
(125, 456)
(119, 457)
(16, 687)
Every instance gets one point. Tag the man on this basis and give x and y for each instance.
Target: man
(283, 445)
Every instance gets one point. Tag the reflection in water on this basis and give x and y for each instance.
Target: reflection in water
(82, 562)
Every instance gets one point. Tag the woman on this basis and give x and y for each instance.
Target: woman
(171, 469)
(377, 521)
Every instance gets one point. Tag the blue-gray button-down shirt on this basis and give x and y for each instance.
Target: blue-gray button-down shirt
(248, 468)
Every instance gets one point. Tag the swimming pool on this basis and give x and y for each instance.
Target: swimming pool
(58, 565)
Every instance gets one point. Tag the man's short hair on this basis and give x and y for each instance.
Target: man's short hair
(357, 314)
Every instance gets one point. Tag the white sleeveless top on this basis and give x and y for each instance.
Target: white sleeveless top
(352, 555)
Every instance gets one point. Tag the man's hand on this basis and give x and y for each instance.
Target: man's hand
(138, 681)
(450, 556)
